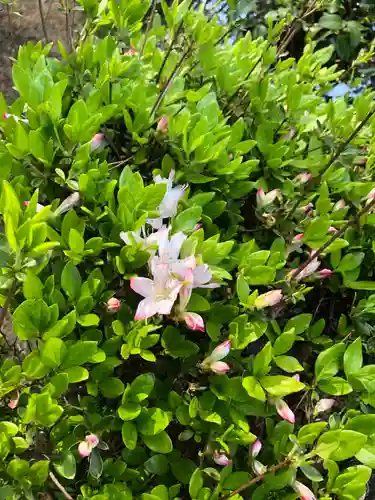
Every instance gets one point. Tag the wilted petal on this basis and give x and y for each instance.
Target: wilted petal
(332, 229)
(371, 195)
(304, 492)
(339, 205)
(219, 367)
(142, 286)
(303, 177)
(221, 351)
(13, 403)
(255, 448)
(284, 411)
(258, 468)
(70, 202)
(268, 299)
(324, 404)
(194, 321)
(84, 449)
(221, 459)
(162, 125)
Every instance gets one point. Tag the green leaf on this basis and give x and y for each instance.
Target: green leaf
(80, 352)
(311, 473)
(160, 443)
(76, 241)
(197, 303)
(71, 281)
(195, 483)
(52, 352)
(112, 387)
(18, 469)
(260, 275)
(66, 467)
(288, 364)
(350, 261)
(328, 362)
(8, 428)
(330, 21)
(279, 386)
(242, 289)
(96, 463)
(284, 342)
(152, 196)
(308, 433)
(253, 388)
(30, 318)
(152, 421)
(129, 411)
(176, 345)
(33, 367)
(141, 387)
(263, 360)
(187, 220)
(32, 286)
(362, 423)
(76, 374)
(336, 386)
(353, 359)
(38, 472)
(129, 435)
(340, 444)
(157, 464)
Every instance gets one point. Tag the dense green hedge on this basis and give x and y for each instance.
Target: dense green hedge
(187, 261)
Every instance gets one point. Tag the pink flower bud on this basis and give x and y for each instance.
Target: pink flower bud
(298, 237)
(307, 207)
(194, 321)
(221, 351)
(93, 440)
(371, 195)
(6, 116)
(264, 199)
(303, 177)
(131, 51)
(258, 468)
(255, 448)
(84, 449)
(332, 229)
(304, 492)
(297, 377)
(339, 205)
(323, 405)
(325, 273)
(113, 305)
(39, 207)
(219, 367)
(268, 299)
(13, 403)
(284, 411)
(97, 141)
(221, 459)
(162, 125)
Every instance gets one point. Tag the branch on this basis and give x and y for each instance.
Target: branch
(256, 479)
(43, 20)
(4, 310)
(337, 235)
(60, 486)
(167, 54)
(149, 24)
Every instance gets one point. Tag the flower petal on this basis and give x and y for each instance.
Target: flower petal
(84, 449)
(146, 308)
(142, 286)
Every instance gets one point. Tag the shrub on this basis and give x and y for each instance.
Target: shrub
(187, 260)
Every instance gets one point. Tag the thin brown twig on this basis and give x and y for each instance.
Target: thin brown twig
(4, 310)
(149, 24)
(169, 50)
(256, 479)
(42, 20)
(340, 232)
(60, 486)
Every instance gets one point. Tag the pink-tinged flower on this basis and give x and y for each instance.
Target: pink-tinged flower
(113, 305)
(258, 468)
(298, 237)
(70, 202)
(85, 447)
(339, 205)
(149, 243)
(303, 177)
(219, 367)
(194, 321)
(284, 411)
(268, 299)
(220, 351)
(168, 206)
(39, 207)
(304, 492)
(265, 199)
(323, 405)
(325, 273)
(97, 141)
(307, 208)
(332, 229)
(6, 116)
(160, 293)
(131, 51)
(309, 269)
(255, 448)
(13, 403)
(371, 195)
(220, 458)
(297, 377)
(162, 125)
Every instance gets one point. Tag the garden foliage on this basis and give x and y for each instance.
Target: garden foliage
(174, 334)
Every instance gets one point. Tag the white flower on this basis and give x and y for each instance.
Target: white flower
(70, 202)
(168, 206)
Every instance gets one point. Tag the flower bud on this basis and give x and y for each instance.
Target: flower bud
(303, 177)
(323, 405)
(39, 207)
(93, 440)
(339, 205)
(70, 202)
(296, 377)
(194, 321)
(304, 492)
(84, 449)
(255, 448)
(131, 51)
(258, 468)
(162, 125)
(325, 273)
(298, 237)
(97, 141)
(219, 367)
(307, 208)
(332, 229)
(113, 305)
(221, 351)
(6, 116)
(268, 299)
(13, 403)
(221, 459)
(284, 411)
